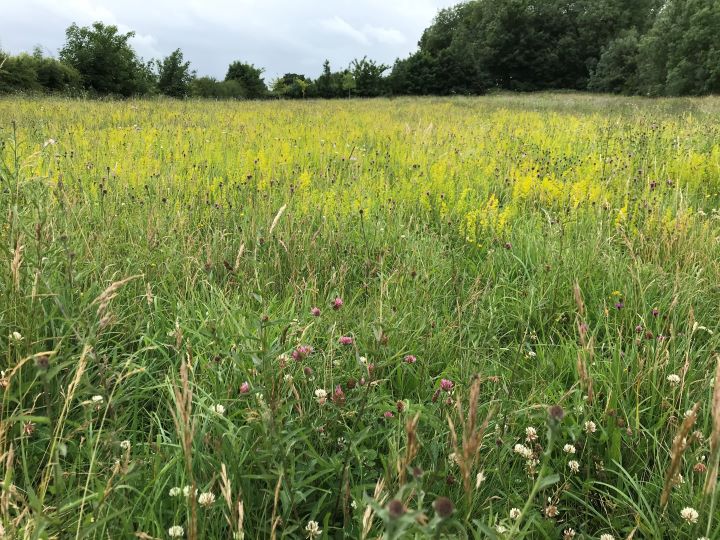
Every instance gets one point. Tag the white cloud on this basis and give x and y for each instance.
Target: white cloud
(340, 26)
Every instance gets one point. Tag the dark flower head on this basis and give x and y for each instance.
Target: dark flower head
(443, 507)
(556, 413)
(396, 509)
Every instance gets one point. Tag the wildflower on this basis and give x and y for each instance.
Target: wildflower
(174, 491)
(301, 352)
(49, 142)
(639, 328)
(556, 413)
(607, 536)
(590, 427)
(569, 449)
(618, 306)
(396, 509)
(523, 450)
(206, 499)
(700, 468)
(530, 354)
(446, 385)
(655, 312)
(218, 409)
(176, 531)
(410, 359)
(514, 513)
(353, 505)
(97, 400)
(479, 479)
(689, 514)
(531, 434)
(125, 445)
(29, 428)
(338, 396)
(568, 534)
(453, 459)
(673, 379)
(574, 466)
(500, 528)
(551, 511)
(186, 491)
(15, 337)
(443, 507)
(321, 396)
(677, 480)
(313, 529)
(315, 312)
(245, 387)
(345, 340)
(337, 303)
(389, 414)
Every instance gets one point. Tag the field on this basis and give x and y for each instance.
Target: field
(489, 318)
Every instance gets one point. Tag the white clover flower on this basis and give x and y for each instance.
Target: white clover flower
(186, 491)
(607, 536)
(531, 434)
(125, 445)
(218, 409)
(514, 513)
(453, 459)
(15, 337)
(523, 450)
(313, 529)
(689, 514)
(206, 499)
(479, 479)
(568, 534)
(353, 505)
(574, 466)
(500, 528)
(97, 400)
(321, 396)
(673, 379)
(569, 449)
(590, 427)
(175, 492)
(176, 531)
(688, 413)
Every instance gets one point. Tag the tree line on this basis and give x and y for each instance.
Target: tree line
(647, 47)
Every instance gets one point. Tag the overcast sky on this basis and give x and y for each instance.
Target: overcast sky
(279, 35)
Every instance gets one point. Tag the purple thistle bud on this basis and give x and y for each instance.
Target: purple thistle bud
(346, 340)
(337, 303)
(619, 305)
(315, 312)
(245, 387)
(389, 414)
(410, 359)
(655, 312)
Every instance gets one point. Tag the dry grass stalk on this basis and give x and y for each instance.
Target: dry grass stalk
(411, 449)
(60, 424)
(277, 218)
(103, 301)
(472, 436)
(16, 263)
(226, 490)
(185, 428)
(679, 445)
(369, 514)
(240, 253)
(275, 518)
(587, 350)
(712, 475)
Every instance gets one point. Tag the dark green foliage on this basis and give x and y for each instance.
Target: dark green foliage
(174, 75)
(249, 77)
(617, 69)
(680, 55)
(293, 85)
(368, 76)
(36, 73)
(105, 60)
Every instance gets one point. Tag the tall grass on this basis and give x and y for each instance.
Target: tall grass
(504, 263)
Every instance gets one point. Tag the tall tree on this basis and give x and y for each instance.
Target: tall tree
(249, 77)
(105, 60)
(174, 75)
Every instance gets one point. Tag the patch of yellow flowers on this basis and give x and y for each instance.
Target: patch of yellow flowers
(478, 164)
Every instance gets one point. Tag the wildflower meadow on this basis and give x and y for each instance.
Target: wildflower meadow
(491, 317)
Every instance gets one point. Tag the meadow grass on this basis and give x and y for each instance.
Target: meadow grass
(488, 318)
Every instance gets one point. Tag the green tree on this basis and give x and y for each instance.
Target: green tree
(105, 60)
(680, 55)
(348, 83)
(617, 69)
(174, 75)
(368, 77)
(249, 77)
